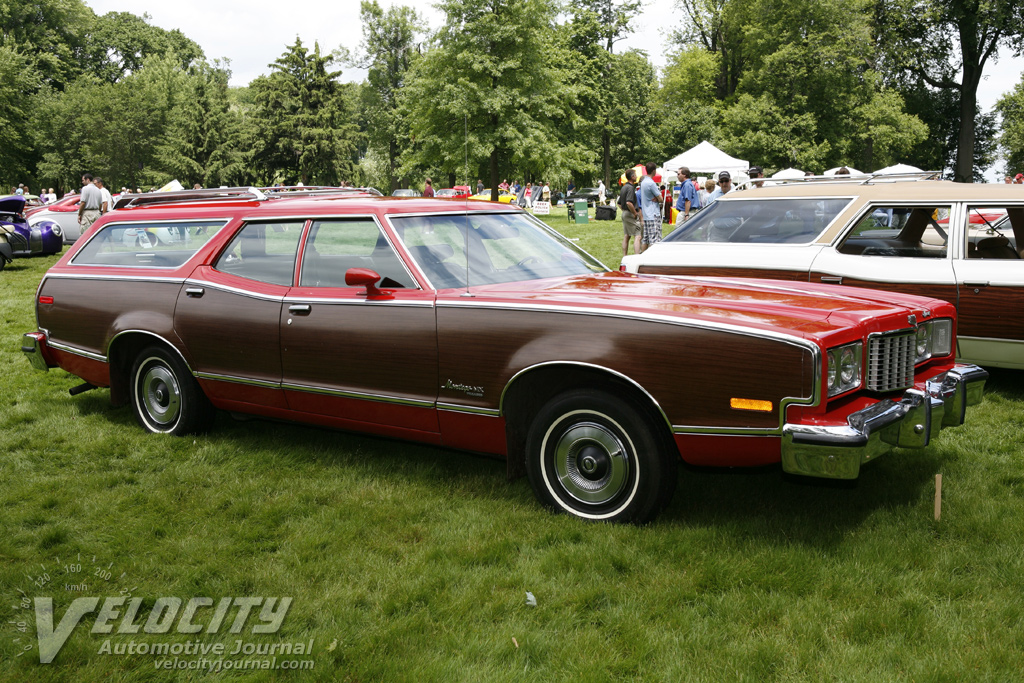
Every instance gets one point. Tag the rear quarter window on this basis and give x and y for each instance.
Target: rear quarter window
(761, 221)
(158, 244)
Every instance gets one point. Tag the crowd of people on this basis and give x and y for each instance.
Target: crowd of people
(1015, 180)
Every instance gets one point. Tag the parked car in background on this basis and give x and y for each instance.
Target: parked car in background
(591, 194)
(63, 212)
(405, 193)
(38, 239)
(952, 241)
(457, 192)
(504, 196)
(476, 327)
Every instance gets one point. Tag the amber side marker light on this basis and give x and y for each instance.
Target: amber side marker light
(750, 404)
(46, 299)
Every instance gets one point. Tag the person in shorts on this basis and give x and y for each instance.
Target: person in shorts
(632, 225)
(650, 202)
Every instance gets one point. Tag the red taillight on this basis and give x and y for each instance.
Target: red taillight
(46, 299)
(622, 268)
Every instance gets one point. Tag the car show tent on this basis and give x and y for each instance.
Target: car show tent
(706, 158)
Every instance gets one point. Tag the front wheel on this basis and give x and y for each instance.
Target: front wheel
(599, 457)
(165, 396)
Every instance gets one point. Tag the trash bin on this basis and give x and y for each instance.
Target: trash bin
(580, 211)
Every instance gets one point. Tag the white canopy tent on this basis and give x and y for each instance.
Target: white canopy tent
(706, 158)
(787, 173)
(851, 169)
(898, 168)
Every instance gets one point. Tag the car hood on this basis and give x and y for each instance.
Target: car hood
(809, 310)
(12, 204)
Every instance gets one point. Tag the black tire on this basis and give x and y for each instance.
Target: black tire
(599, 457)
(165, 396)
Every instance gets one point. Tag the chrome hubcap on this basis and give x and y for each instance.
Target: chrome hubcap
(160, 396)
(591, 463)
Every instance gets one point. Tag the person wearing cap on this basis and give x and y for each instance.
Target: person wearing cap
(650, 206)
(756, 172)
(724, 185)
(1019, 180)
(688, 199)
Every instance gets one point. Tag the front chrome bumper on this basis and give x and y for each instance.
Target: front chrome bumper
(837, 452)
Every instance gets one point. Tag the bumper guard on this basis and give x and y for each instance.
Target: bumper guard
(837, 452)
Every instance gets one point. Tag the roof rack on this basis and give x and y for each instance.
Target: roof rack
(234, 194)
(851, 179)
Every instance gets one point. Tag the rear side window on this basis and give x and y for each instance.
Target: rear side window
(164, 244)
(900, 231)
(264, 252)
(761, 221)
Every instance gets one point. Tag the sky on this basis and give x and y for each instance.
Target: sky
(253, 33)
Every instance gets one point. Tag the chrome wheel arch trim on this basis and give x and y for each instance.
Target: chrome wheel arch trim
(155, 336)
(589, 366)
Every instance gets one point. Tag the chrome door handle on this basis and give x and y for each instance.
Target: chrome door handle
(980, 283)
(832, 280)
(194, 292)
(300, 309)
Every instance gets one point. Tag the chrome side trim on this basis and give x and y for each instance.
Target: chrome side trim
(358, 302)
(358, 395)
(235, 290)
(735, 431)
(472, 410)
(237, 380)
(67, 348)
(114, 278)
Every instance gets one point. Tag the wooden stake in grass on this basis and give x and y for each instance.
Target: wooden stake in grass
(938, 496)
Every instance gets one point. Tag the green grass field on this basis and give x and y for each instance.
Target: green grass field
(409, 563)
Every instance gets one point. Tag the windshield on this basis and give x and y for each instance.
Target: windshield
(764, 221)
(503, 247)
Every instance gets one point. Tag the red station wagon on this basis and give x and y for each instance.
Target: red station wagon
(476, 327)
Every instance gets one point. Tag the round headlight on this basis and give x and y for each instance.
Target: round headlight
(924, 334)
(847, 365)
(833, 364)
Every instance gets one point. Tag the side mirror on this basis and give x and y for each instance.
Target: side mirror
(366, 277)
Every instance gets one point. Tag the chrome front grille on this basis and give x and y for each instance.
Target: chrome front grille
(891, 361)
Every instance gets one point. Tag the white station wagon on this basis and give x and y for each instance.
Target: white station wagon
(958, 242)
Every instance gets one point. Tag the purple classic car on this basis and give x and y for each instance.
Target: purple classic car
(45, 237)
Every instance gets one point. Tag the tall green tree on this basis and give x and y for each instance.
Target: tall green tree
(51, 34)
(16, 79)
(491, 91)
(303, 122)
(603, 84)
(389, 47)
(201, 143)
(686, 104)
(947, 44)
(119, 43)
(1011, 108)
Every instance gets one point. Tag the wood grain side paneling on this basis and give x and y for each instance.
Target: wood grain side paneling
(992, 312)
(87, 313)
(692, 373)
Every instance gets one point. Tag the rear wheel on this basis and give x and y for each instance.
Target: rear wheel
(165, 396)
(599, 457)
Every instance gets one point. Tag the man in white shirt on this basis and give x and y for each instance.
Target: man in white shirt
(107, 203)
(89, 206)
